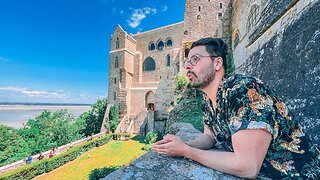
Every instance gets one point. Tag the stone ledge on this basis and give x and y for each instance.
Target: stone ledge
(154, 166)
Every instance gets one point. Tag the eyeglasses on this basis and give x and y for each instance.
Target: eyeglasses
(193, 60)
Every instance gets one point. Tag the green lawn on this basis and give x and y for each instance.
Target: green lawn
(114, 153)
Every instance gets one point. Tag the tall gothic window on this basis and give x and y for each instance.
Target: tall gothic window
(116, 62)
(151, 46)
(117, 43)
(149, 64)
(114, 96)
(220, 4)
(168, 43)
(168, 60)
(160, 45)
(199, 8)
(253, 17)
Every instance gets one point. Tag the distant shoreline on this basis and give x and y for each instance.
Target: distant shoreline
(43, 104)
(15, 115)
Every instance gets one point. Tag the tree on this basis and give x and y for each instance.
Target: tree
(10, 143)
(93, 118)
(114, 117)
(50, 130)
(40, 134)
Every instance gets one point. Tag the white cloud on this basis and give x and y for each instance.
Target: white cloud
(164, 8)
(121, 12)
(23, 94)
(139, 14)
(31, 93)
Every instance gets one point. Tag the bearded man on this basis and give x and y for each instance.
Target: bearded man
(245, 118)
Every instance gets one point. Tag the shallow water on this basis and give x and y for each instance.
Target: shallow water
(15, 115)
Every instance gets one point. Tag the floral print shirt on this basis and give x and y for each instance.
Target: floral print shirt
(244, 102)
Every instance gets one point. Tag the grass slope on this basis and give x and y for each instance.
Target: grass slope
(114, 153)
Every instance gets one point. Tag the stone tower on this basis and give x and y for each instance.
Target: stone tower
(201, 19)
(121, 60)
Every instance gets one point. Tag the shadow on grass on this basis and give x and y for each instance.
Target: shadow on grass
(99, 173)
(139, 138)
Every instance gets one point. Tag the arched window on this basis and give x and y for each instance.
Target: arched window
(253, 16)
(199, 17)
(160, 45)
(117, 43)
(149, 64)
(116, 62)
(168, 43)
(236, 40)
(151, 46)
(199, 8)
(168, 60)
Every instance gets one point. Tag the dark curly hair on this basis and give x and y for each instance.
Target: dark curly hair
(215, 47)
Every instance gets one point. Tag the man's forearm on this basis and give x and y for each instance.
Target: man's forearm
(226, 162)
(204, 141)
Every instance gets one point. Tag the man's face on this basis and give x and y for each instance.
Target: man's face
(200, 71)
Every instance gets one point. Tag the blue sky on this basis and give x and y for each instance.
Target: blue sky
(58, 51)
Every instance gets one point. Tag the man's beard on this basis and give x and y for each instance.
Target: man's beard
(204, 78)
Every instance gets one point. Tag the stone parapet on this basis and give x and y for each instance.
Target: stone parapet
(154, 166)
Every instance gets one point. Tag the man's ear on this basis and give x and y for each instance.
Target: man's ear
(218, 63)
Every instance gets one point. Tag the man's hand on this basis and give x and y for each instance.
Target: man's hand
(170, 145)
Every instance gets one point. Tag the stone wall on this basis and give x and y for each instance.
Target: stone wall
(105, 126)
(173, 32)
(283, 51)
(202, 18)
(138, 99)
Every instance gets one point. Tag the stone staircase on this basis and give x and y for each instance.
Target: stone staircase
(133, 124)
(123, 125)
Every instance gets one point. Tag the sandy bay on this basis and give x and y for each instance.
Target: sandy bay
(15, 115)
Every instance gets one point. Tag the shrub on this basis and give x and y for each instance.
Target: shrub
(123, 136)
(37, 168)
(181, 84)
(150, 138)
(99, 173)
